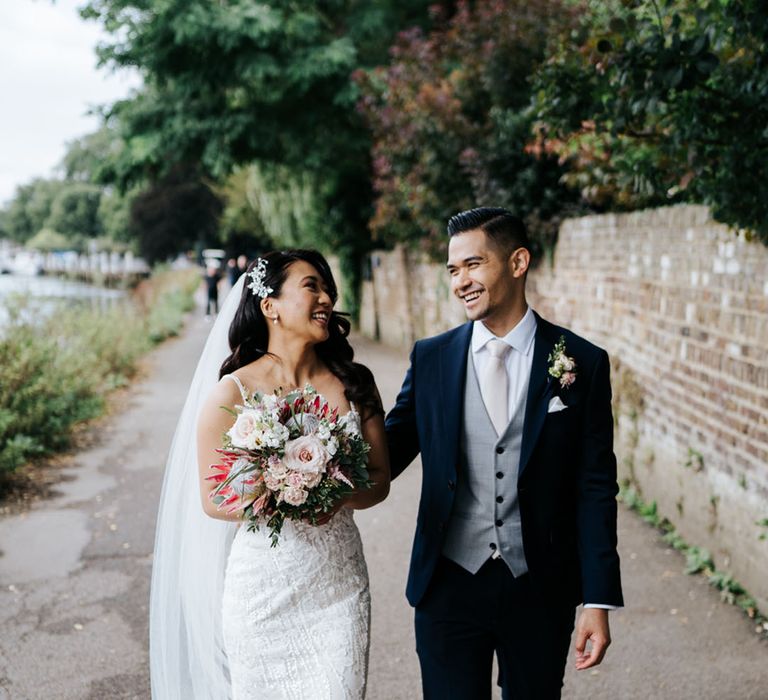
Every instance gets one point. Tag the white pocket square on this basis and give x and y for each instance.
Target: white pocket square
(556, 404)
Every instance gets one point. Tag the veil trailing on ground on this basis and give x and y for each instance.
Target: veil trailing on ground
(187, 658)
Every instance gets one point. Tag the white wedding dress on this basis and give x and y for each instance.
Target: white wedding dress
(232, 618)
(295, 617)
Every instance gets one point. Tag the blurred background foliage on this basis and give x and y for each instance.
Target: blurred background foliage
(57, 367)
(345, 125)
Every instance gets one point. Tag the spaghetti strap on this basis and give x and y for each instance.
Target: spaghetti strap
(243, 390)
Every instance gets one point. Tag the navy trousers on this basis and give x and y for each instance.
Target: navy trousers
(464, 619)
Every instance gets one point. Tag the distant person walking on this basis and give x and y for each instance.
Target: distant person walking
(211, 279)
(233, 274)
(242, 264)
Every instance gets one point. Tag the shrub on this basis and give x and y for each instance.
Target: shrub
(55, 372)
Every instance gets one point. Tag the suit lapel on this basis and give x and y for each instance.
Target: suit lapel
(540, 387)
(452, 376)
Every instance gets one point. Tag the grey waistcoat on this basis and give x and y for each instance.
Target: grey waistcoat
(485, 513)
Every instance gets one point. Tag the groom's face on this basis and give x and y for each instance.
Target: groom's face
(480, 274)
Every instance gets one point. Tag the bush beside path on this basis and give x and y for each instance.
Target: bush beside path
(75, 572)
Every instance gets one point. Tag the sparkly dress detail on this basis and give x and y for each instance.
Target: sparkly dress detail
(296, 616)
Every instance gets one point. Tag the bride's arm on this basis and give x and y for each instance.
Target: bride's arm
(378, 465)
(214, 421)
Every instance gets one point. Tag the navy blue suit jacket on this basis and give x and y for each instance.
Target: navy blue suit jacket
(567, 474)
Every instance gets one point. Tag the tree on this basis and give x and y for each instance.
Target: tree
(48, 240)
(30, 208)
(174, 214)
(451, 119)
(230, 83)
(89, 158)
(657, 102)
(115, 213)
(75, 211)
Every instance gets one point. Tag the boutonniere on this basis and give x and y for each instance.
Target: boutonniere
(561, 366)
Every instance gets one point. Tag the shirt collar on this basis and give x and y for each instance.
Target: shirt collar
(520, 337)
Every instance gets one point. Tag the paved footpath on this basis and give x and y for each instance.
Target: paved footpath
(75, 569)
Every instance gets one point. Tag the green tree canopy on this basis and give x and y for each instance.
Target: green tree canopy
(75, 211)
(176, 213)
(30, 208)
(241, 81)
(451, 119)
(663, 101)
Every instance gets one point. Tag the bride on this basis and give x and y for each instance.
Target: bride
(231, 616)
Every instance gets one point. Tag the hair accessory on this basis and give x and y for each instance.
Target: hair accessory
(256, 285)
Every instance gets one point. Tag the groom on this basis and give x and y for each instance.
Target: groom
(517, 517)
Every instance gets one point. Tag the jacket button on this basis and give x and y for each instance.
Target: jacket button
(499, 450)
(492, 545)
(451, 485)
(499, 523)
(499, 475)
(499, 499)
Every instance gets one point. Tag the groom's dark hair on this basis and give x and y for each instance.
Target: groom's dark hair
(506, 229)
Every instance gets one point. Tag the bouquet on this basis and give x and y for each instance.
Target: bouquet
(289, 457)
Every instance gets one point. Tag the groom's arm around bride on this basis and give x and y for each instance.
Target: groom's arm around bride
(517, 517)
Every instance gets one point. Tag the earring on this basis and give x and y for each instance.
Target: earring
(274, 320)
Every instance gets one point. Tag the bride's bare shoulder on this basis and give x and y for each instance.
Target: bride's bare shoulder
(255, 376)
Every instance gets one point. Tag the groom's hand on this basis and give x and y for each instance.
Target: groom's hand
(593, 627)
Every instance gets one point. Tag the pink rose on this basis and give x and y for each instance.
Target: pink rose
(244, 426)
(567, 379)
(294, 496)
(305, 454)
(312, 479)
(295, 479)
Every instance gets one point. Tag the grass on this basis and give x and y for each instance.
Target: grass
(56, 372)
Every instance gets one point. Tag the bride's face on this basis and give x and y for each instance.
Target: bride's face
(304, 305)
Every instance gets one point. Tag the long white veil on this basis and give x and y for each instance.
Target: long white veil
(187, 658)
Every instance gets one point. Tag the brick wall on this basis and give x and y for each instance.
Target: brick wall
(681, 305)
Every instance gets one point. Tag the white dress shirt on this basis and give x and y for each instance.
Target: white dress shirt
(519, 362)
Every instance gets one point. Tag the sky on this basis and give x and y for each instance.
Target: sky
(48, 82)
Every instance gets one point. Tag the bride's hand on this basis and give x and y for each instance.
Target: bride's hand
(323, 518)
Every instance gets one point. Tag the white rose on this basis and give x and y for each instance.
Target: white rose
(305, 454)
(294, 496)
(245, 426)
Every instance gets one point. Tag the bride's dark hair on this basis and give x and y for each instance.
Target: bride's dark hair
(249, 332)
